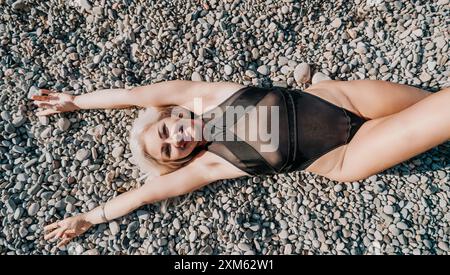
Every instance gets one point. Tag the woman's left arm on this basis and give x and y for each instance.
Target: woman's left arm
(52, 102)
(181, 181)
(164, 93)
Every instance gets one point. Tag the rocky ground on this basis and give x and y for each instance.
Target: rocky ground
(65, 164)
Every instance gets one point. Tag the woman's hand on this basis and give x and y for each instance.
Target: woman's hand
(67, 229)
(54, 103)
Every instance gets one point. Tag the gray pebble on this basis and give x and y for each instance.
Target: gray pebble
(443, 245)
(23, 232)
(283, 234)
(33, 209)
(18, 149)
(82, 154)
(143, 215)
(388, 209)
(318, 77)
(176, 224)
(117, 72)
(133, 226)
(21, 177)
(264, 70)
(91, 252)
(336, 23)
(413, 179)
(228, 69)
(204, 229)
(63, 124)
(34, 189)
(5, 116)
(193, 236)
(117, 152)
(19, 5)
(85, 5)
(302, 73)
(114, 228)
(402, 226)
(250, 73)
(10, 205)
(424, 77)
(18, 213)
(440, 42)
(196, 77)
(97, 59)
(170, 67)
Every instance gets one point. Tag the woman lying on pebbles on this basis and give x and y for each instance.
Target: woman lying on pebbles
(195, 133)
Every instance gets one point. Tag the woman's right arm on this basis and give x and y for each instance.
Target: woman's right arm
(181, 181)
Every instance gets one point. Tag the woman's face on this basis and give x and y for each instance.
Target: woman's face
(172, 138)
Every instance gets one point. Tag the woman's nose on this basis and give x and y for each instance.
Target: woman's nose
(177, 140)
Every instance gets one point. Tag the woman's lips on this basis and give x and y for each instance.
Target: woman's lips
(183, 144)
(187, 133)
(185, 138)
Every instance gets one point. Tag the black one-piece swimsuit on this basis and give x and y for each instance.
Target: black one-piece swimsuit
(299, 128)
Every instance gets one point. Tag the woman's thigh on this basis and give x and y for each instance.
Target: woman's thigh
(369, 98)
(384, 142)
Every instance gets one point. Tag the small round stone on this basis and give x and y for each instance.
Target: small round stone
(388, 209)
(196, 77)
(82, 154)
(302, 73)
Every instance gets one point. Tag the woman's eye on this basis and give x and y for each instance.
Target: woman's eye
(165, 131)
(168, 150)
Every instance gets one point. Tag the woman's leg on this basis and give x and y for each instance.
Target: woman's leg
(384, 142)
(369, 98)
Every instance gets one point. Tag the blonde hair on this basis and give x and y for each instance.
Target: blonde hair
(147, 164)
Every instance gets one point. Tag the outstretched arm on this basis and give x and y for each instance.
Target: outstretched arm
(105, 99)
(163, 93)
(174, 92)
(53, 102)
(182, 181)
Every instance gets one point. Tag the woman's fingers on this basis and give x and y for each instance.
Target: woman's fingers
(45, 92)
(64, 241)
(51, 226)
(60, 233)
(70, 232)
(56, 232)
(45, 98)
(42, 104)
(40, 97)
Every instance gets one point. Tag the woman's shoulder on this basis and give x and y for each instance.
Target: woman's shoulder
(208, 162)
(211, 94)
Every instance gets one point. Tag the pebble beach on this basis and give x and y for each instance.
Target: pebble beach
(57, 166)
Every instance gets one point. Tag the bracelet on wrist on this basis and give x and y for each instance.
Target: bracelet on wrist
(103, 216)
